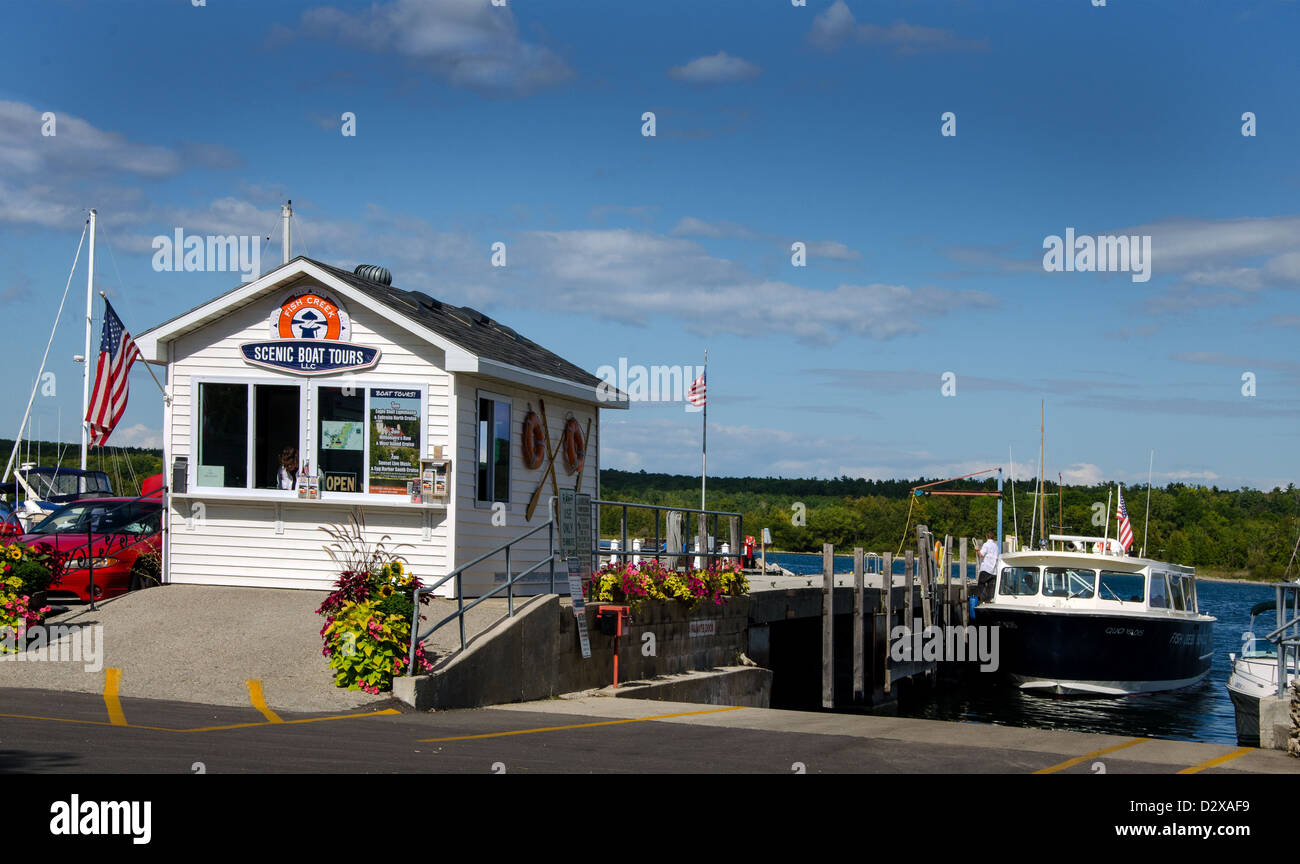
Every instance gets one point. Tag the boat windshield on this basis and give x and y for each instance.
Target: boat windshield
(1068, 582)
(1019, 581)
(1124, 587)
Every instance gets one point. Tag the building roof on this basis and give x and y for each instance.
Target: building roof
(473, 341)
(468, 328)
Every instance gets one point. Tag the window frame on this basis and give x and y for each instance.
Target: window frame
(1142, 581)
(1070, 573)
(1038, 583)
(308, 429)
(479, 396)
(1167, 605)
(365, 384)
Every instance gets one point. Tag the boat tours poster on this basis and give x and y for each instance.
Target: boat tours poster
(394, 440)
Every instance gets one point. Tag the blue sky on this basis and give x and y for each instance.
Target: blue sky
(774, 124)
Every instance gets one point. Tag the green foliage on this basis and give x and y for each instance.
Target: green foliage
(1207, 527)
(126, 467)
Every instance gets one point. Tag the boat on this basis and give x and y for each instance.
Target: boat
(50, 487)
(1255, 668)
(1081, 617)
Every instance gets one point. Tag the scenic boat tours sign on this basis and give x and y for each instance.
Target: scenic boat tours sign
(310, 335)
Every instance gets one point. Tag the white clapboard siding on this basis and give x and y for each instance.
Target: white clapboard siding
(236, 543)
(475, 534)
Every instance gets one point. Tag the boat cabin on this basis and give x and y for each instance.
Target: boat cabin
(1103, 579)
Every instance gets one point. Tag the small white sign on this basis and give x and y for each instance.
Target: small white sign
(704, 628)
(579, 604)
(767, 536)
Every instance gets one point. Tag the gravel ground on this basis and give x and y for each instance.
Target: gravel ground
(200, 643)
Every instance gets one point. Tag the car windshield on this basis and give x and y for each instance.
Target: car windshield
(102, 517)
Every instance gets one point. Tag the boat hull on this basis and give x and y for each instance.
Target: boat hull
(1082, 653)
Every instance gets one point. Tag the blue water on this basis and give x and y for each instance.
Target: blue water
(802, 564)
(1200, 713)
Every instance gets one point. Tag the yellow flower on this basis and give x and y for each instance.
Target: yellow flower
(386, 591)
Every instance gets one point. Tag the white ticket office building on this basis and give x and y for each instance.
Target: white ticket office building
(313, 380)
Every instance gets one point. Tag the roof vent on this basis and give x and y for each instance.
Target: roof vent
(476, 316)
(426, 301)
(374, 273)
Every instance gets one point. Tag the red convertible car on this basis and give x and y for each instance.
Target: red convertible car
(127, 546)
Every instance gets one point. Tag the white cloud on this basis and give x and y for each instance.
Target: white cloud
(629, 276)
(138, 435)
(837, 26)
(689, 226)
(76, 148)
(720, 68)
(468, 43)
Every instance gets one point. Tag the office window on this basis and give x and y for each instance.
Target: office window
(341, 438)
(223, 435)
(493, 482)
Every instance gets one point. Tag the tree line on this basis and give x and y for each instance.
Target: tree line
(126, 467)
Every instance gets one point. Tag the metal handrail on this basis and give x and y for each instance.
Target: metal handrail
(1287, 636)
(457, 574)
(623, 552)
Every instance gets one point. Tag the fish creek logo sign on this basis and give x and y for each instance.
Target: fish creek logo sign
(310, 335)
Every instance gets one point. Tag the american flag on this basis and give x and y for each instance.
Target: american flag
(696, 394)
(117, 352)
(1125, 527)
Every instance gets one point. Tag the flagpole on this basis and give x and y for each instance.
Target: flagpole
(85, 372)
(704, 431)
(1146, 522)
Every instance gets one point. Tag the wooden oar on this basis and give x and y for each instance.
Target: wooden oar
(586, 445)
(550, 468)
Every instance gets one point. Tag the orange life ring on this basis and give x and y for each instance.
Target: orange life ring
(534, 441)
(575, 449)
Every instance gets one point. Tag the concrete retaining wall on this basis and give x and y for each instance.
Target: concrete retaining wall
(536, 654)
(748, 686)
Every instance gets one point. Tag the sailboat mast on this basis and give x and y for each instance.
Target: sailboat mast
(85, 372)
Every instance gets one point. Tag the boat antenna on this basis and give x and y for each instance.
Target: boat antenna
(1042, 437)
(1105, 546)
(1060, 502)
(1146, 520)
(1014, 520)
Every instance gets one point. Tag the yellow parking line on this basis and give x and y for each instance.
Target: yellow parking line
(259, 701)
(1218, 760)
(113, 680)
(575, 726)
(384, 712)
(1093, 755)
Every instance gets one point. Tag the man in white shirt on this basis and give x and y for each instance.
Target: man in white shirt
(988, 568)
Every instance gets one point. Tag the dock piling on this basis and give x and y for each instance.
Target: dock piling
(828, 625)
(859, 660)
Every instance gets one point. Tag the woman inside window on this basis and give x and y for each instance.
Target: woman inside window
(288, 467)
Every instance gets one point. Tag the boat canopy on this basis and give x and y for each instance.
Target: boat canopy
(1260, 608)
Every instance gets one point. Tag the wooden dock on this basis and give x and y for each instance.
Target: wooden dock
(856, 614)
